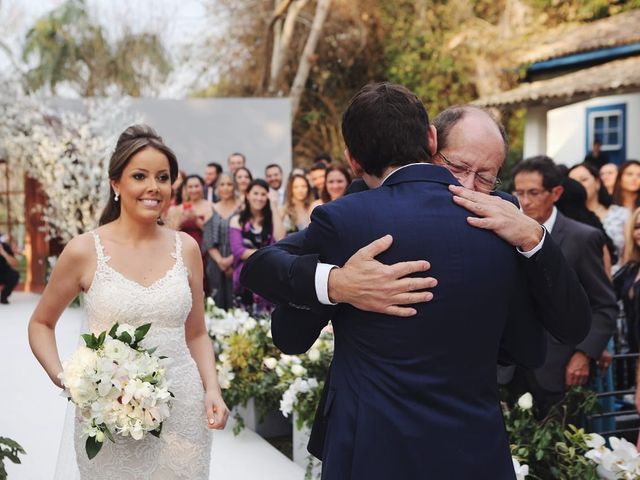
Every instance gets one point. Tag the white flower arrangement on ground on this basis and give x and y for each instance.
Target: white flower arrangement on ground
(622, 460)
(118, 386)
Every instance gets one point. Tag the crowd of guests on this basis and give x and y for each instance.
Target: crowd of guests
(231, 214)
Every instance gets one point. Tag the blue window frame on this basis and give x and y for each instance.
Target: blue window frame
(607, 124)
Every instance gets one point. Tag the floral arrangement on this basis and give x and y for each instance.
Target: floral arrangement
(66, 151)
(241, 343)
(118, 386)
(622, 461)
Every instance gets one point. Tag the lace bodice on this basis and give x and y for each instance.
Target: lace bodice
(183, 449)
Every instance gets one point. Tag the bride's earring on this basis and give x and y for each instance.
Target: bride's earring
(117, 196)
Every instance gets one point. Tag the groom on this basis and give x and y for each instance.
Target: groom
(415, 397)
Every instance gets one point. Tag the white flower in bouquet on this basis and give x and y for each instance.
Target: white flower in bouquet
(525, 402)
(621, 461)
(313, 354)
(118, 386)
(521, 470)
(270, 362)
(298, 370)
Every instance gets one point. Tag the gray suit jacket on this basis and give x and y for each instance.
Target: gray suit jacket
(582, 247)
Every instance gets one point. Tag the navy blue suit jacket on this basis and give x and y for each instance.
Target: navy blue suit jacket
(417, 397)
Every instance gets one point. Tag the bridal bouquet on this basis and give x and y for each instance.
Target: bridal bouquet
(118, 386)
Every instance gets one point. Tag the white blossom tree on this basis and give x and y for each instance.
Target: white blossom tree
(67, 152)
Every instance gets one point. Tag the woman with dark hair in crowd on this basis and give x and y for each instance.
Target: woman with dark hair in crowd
(191, 215)
(626, 190)
(296, 211)
(337, 180)
(572, 203)
(613, 217)
(242, 178)
(177, 188)
(219, 268)
(256, 226)
(134, 271)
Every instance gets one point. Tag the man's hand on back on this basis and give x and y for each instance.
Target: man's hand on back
(372, 286)
(500, 216)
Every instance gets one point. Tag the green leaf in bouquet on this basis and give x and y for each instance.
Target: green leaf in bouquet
(92, 446)
(151, 351)
(101, 338)
(126, 338)
(157, 431)
(141, 331)
(90, 341)
(108, 433)
(114, 329)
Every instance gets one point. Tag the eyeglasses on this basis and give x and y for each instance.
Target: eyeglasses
(532, 194)
(482, 182)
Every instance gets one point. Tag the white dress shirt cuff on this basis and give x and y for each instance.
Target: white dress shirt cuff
(322, 283)
(528, 254)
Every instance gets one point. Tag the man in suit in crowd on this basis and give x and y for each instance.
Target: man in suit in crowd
(9, 275)
(235, 161)
(273, 176)
(538, 185)
(409, 396)
(211, 173)
(288, 277)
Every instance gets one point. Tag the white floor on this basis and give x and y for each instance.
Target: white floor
(32, 412)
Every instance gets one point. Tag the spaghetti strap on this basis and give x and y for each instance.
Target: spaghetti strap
(101, 257)
(177, 254)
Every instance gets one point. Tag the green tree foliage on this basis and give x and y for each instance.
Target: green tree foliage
(67, 46)
(10, 450)
(447, 51)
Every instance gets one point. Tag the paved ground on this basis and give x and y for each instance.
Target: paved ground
(32, 412)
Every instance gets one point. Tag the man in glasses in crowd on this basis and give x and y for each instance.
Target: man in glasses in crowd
(538, 186)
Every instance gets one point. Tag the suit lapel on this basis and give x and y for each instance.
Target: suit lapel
(558, 232)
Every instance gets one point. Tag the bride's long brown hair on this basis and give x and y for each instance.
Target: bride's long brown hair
(130, 142)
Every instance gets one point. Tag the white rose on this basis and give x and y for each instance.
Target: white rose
(211, 302)
(525, 402)
(270, 363)
(314, 355)
(298, 370)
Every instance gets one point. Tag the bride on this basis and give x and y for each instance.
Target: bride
(134, 271)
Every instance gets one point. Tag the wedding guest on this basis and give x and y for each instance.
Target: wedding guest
(613, 217)
(299, 171)
(573, 204)
(191, 215)
(337, 181)
(596, 157)
(608, 175)
(242, 178)
(9, 274)
(296, 211)
(235, 161)
(626, 282)
(323, 158)
(211, 173)
(215, 242)
(317, 176)
(627, 187)
(273, 175)
(134, 271)
(256, 226)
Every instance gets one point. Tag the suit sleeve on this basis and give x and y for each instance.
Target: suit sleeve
(282, 274)
(294, 331)
(524, 340)
(560, 300)
(604, 308)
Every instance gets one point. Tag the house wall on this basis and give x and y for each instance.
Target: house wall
(566, 128)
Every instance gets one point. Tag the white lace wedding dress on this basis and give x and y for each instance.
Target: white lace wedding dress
(183, 449)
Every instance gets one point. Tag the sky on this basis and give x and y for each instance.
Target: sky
(179, 22)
